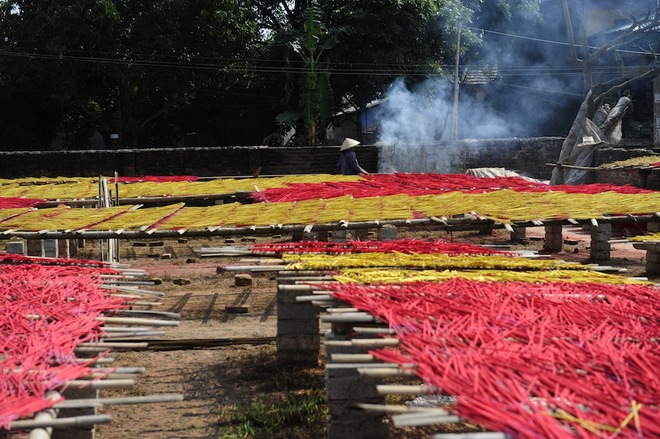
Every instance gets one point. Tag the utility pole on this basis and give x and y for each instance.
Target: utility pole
(454, 122)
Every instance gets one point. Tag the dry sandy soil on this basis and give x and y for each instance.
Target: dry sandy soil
(214, 379)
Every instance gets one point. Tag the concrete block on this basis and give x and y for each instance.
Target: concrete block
(297, 311)
(298, 326)
(553, 240)
(298, 358)
(360, 234)
(519, 234)
(366, 427)
(387, 233)
(339, 235)
(653, 226)
(653, 268)
(49, 248)
(299, 342)
(289, 296)
(63, 248)
(87, 432)
(15, 247)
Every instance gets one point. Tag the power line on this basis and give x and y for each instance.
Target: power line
(560, 43)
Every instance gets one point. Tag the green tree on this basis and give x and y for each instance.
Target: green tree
(388, 40)
(121, 66)
(379, 41)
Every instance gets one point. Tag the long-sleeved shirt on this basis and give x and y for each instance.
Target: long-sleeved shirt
(348, 164)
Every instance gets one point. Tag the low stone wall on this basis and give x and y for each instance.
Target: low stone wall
(528, 156)
(203, 162)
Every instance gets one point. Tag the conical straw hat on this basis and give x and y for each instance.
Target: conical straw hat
(348, 144)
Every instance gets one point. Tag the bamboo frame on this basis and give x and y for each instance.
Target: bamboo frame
(452, 224)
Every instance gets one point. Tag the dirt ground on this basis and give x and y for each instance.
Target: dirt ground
(215, 379)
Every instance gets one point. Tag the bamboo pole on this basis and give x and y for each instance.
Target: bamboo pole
(318, 297)
(129, 282)
(112, 345)
(126, 296)
(352, 358)
(101, 402)
(401, 389)
(358, 317)
(137, 321)
(122, 335)
(77, 421)
(131, 370)
(421, 419)
(311, 279)
(98, 361)
(385, 372)
(372, 330)
(99, 384)
(374, 343)
(143, 303)
(108, 376)
(172, 315)
(124, 329)
(298, 288)
(134, 290)
(323, 303)
(475, 435)
(341, 310)
(362, 365)
(388, 408)
(254, 268)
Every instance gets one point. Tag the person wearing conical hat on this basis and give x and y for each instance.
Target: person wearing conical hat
(348, 164)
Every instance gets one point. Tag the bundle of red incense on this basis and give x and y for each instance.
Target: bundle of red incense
(379, 185)
(551, 360)
(407, 246)
(45, 313)
(17, 202)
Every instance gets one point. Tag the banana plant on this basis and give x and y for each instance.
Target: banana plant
(316, 97)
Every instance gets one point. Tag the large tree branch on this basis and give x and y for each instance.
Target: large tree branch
(633, 33)
(267, 12)
(624, 84)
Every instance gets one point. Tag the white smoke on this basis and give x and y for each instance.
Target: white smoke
(412, 123)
